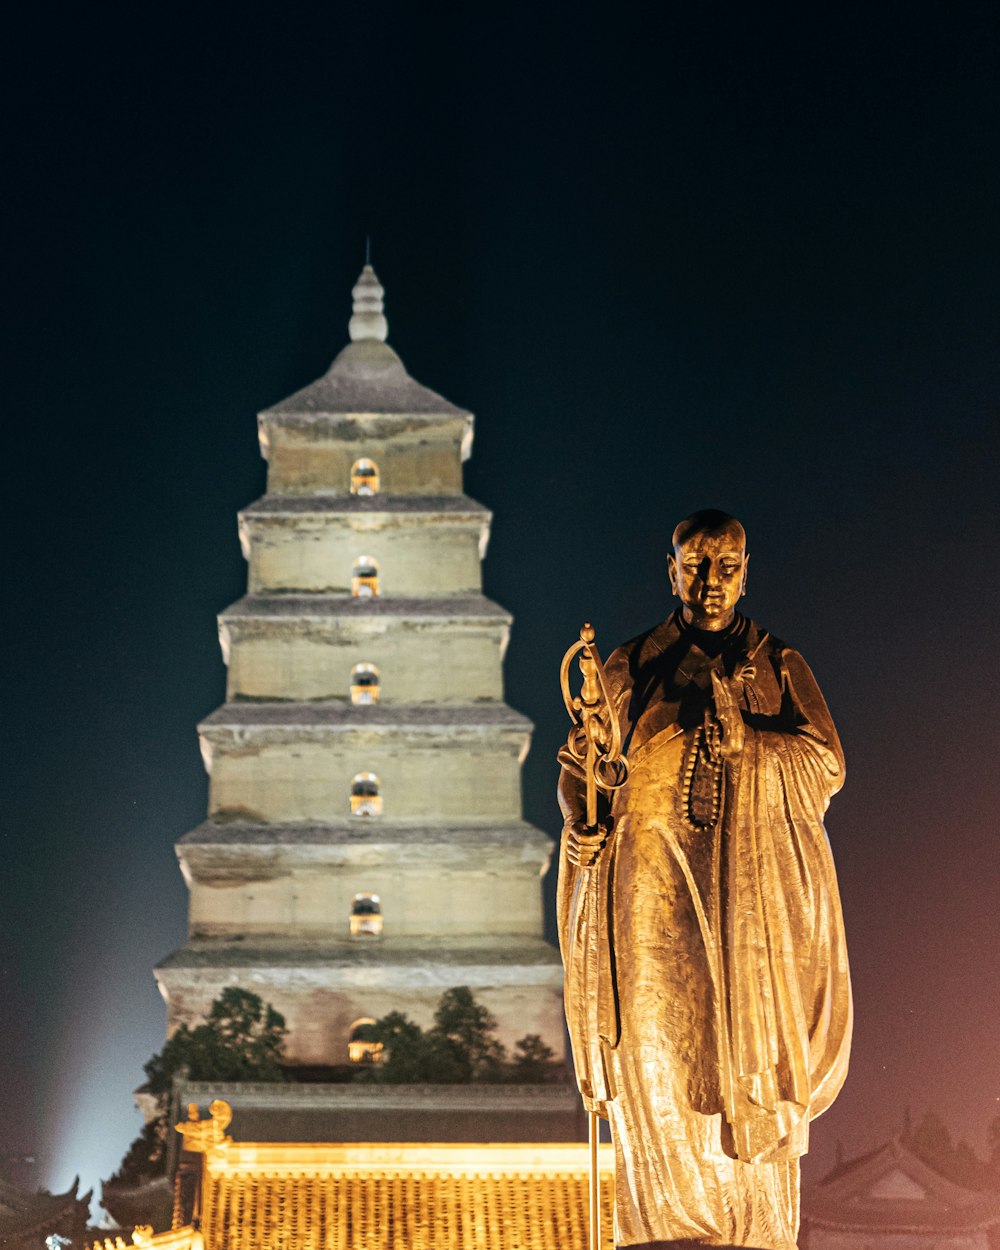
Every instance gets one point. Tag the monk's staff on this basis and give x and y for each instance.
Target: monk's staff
(595, 743)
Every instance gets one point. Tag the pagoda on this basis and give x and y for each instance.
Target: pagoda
(365, 849)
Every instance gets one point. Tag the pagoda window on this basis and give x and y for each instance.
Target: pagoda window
(364, 580)
(362, 1045)
(366, 916)
(365, 797)
(364, 477)
(365, 684)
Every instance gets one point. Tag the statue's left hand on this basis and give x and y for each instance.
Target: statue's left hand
(583, 843)
(728, 715)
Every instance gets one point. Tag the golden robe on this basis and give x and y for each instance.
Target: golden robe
(707, 989)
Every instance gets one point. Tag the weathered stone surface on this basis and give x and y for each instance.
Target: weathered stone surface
(294, 762)
(452, 883)
(323, 988)
(430, 552)
(273, 873)
(296, 649)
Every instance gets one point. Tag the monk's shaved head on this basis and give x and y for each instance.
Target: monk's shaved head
(709, 521)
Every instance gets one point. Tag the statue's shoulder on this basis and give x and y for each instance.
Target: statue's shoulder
(761, 643)
(760, 640)
(632, 656)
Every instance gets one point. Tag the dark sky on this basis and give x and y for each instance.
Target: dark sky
(673, 257)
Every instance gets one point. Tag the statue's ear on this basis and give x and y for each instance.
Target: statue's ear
(672, 573)
(746, 574)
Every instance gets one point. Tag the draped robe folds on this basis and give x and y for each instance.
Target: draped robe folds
(707, 989)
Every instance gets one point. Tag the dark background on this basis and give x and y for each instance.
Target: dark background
(673, 257)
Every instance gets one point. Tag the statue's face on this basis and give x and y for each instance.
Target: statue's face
(708, 574)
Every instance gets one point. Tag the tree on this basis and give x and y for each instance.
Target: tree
(240, 1041)
(533, 1060)
(993, 1139)
(406, 1056)
(464, 1038)
(459, 1048)
(956, 1161)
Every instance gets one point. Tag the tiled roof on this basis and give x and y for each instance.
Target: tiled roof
(26, 1216)
(891, 1190)
(391, 1197)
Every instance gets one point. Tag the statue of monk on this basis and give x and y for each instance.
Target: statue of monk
(707, 988)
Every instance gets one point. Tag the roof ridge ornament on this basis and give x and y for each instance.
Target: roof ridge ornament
(368, 321)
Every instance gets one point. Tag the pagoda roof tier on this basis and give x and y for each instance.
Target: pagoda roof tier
(454, 608)
(458, 507)
(352, 833)
(366, 377)
(409, 961)
(892, 1191)
(326, 717)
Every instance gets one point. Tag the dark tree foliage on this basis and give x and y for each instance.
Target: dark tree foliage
(533, 1060)
(931, 1142)
(459, 1048)
(464, 1037)
(240, 1041)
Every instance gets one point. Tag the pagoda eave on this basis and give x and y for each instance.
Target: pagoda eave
(456, 609)
(406, 961)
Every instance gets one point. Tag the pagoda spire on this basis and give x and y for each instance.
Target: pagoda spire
(368, 320)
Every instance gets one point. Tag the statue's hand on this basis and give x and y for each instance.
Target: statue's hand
(728, 716)
(584, 843)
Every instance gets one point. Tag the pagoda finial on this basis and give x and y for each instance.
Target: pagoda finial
(368, 321)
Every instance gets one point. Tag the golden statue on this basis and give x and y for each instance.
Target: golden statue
(707, 988)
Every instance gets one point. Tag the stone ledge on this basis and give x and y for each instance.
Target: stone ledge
(460, 506)
(381, 831)
(427, 960)
(341, 715)
(258, 1095)
(456, 608)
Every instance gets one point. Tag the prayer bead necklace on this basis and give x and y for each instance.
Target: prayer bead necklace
(704, 749)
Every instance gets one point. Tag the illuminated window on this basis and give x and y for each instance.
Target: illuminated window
(361, 1044)
(364, 477)
(365, 797)
(364, 684)
(366, 916)
(364, 582)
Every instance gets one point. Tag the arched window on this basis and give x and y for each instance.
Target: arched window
(365, 797)
(365, 684)
(364, 477)
(366, 916)
(362, 1046)
(364, 581)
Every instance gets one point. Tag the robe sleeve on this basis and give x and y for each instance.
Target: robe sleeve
(787, 977)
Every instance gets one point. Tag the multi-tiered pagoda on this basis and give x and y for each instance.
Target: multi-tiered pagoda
(364, 849)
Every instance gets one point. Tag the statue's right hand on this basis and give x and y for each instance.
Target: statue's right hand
(584, 843)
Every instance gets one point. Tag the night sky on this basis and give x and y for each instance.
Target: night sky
(672, 257)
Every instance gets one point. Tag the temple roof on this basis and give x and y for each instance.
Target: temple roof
(367, 376)
(891, 1190)
(387, 1197)
(26, 1217)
